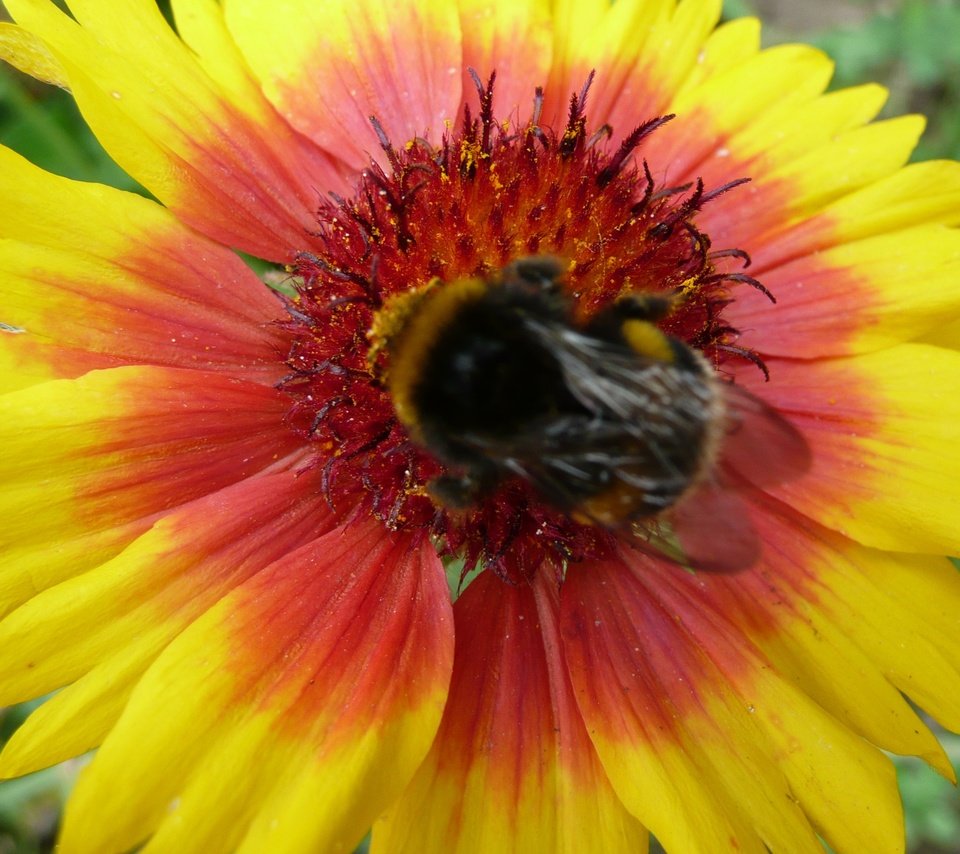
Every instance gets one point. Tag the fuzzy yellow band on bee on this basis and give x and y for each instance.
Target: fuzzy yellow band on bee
(646, 340)
(407, 328)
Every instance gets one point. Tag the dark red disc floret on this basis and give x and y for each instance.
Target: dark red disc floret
(488, 194)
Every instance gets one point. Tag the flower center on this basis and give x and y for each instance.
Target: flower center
(466, 211)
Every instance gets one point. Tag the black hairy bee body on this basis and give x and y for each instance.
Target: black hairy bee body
(612, 421)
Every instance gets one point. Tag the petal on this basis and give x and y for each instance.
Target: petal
(319, 683)
(829, 615)
(105, 626)
(29, 54)
(90, 463)
(881, 428)
(702, 739)
(728, 45)
(790, 130)
(328, 67)
(835, 615)
(847, 161)
(649, 47)
(944, 335)
(918, 194)
(96, 278)
(570, 19)
(709, 115)
(512, 767)
(855, 297)
(765, 119)
(513, 39)
(202, 139)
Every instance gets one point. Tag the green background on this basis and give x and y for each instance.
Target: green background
(911, 46)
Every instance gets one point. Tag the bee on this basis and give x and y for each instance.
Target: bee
(611, 420)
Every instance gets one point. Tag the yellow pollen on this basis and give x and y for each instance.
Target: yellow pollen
(392, 319)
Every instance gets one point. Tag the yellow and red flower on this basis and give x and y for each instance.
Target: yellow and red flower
(217, 544)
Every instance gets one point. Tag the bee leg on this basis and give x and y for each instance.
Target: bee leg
(460, 491)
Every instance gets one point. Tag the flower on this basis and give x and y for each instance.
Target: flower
(220, 546)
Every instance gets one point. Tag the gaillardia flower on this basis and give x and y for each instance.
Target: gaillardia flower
(228, 507)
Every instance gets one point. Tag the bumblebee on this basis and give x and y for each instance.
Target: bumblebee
(612, 421)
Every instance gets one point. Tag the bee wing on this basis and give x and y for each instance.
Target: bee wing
(609, 379)
(665, 407)
(709, 531)
(647, 427)
(565, 458)
(644, 425)
(761, 446)
(664, 404)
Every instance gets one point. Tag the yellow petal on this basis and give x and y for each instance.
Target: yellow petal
(790, 130)
(321, 689)
(708, 115)
(78, 718)
(703, 740)
(852, 159)
(918, 194)
(223, 160)
(343, 61)
(730, 44)
(881, 427)
(96, 278)
(512, 767)
(854, 297)
(25, 51)
(96, 459)
(649, 47)
(161, 581)
(804, 606)
(515, 40)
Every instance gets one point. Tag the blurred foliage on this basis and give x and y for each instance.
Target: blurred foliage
(912, 47)
(30, 806)
(915, 51)
(44, 124)
(930, 803)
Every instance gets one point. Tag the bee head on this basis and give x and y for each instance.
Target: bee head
(543, 272)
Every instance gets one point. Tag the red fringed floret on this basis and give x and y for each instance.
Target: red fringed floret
(485, 196)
